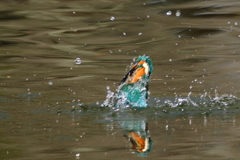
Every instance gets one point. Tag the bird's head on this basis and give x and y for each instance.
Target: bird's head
(140, 69)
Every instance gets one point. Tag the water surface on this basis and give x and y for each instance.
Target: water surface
(193, 44)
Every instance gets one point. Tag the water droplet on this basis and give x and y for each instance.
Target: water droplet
(169, 13)
(112, 18)
(178, 13)
(78, 61)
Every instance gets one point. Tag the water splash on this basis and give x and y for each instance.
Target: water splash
(169, 13)
(110, 98)
(112, 18)
(78, 61)
(204, 100)
(178, 13)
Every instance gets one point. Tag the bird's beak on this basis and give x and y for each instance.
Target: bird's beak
(139, 144)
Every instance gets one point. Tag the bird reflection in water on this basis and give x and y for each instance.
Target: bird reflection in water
(137, 134)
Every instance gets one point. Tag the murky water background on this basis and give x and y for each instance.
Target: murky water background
(194, 46)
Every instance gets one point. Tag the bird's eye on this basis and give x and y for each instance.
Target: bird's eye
(134, 64)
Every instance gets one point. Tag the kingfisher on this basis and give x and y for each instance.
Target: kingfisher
(133, 89)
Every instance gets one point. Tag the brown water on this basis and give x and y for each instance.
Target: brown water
(194, 46)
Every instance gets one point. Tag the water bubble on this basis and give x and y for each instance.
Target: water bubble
(169, 13)
(50, 83)
(78, 61)
(112, 18)
(178, 13)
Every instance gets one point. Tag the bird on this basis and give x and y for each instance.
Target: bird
(133, 88)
